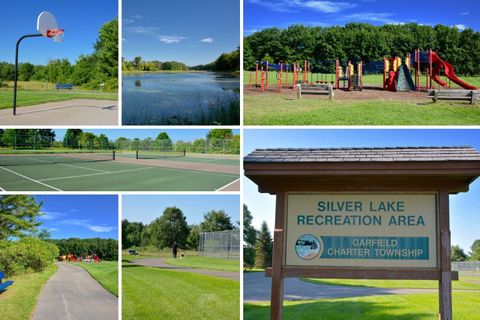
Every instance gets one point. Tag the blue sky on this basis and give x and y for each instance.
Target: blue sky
(174, 134)
(190, 31)
(464, 214)
(260, 14)
(80, 216)
(146, 208)
(80, 19)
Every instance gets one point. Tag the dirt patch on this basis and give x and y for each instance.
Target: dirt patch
(365, 94)
(207, 167)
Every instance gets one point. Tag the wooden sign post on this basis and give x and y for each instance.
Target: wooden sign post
(363, 213)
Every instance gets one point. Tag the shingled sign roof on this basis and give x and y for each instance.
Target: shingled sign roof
(389, 154)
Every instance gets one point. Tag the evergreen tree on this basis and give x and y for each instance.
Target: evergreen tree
(457, 254)
(18, 216)
(249, 238)
(263, 247)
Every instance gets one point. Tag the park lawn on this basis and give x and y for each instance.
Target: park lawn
(105, 272)
(152, 252)
(153, 293)
(28, 98)
(19, 300)
(408, 284)
(466, 306)
(206, 263)
(275, 109)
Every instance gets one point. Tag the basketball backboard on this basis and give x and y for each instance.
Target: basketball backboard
(45, 22)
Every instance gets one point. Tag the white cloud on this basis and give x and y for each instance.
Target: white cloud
(137, 16)
(86, 223)
(466, 13)
(170, 39)
(52, 229)
(128, 21)
(49, 215)
(141, 30)
(460, 27)
(100, 229)
(373, 17)
(296, 5)
(207, 40)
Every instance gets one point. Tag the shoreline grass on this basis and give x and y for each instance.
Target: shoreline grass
(105, 273)
(19, 300)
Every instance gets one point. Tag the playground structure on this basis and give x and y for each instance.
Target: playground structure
(399, 75)
(348, 77)
(73, 258)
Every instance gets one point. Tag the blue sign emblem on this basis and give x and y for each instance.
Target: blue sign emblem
(308, 247)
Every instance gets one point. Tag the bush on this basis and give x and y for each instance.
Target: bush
(26, 255)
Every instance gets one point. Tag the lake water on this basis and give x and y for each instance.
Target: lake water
(180, 99)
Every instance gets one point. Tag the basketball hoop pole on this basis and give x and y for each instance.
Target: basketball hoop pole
(16, 69)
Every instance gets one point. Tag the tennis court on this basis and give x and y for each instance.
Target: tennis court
(110, 171)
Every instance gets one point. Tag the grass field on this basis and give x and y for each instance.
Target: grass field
(20, 299)
(153, 293)
(152, 252)
(206, 263)
(28, 98)
(465, 283)
(105, 272)
(466, 306)
(275, 109)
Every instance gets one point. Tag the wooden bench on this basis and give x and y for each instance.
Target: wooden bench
(132, 252)
(466, 95)
(65, 86)
(315, 89)
(6, 284)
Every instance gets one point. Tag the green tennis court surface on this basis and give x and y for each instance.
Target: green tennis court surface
(101, 175)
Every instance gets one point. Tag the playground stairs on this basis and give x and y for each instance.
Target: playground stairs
(405, 81)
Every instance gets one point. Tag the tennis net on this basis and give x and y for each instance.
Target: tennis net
(38, 157)
(159, 154)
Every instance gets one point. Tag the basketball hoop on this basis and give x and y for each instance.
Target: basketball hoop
(56, 34)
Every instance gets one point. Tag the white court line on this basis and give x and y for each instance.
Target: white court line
(25, 177)
(228, 184)
(95, 174)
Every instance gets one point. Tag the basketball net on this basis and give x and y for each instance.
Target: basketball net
(56, 34)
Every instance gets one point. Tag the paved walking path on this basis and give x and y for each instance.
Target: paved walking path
(159, 263)
(71, 112)
(256, 287)
(72, 294)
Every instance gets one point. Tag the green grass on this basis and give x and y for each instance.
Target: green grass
(153, 293)
(206, 263)
(466, 306)
(27, 98)
(275, 109)
(105, 272)
(414, 284)
(20, 299)
(152, 252)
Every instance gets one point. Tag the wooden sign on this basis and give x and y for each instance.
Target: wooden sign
(363, 230)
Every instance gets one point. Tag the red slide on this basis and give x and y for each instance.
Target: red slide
(449, 71)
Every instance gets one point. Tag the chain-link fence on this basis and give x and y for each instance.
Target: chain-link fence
(220, 244)
(87, 141)
(467, 267)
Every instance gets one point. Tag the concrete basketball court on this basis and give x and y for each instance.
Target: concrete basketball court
(79, 112)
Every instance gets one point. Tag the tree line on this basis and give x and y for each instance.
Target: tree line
(216, 140)
(105, 249)
(229, 61)
(172, 226)
(362, 42)
(458, 254)
(92, 71)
